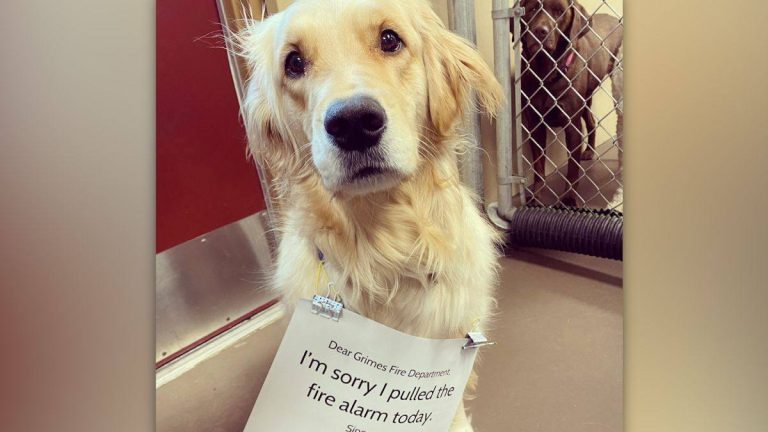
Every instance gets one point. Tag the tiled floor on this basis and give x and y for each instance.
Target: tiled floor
(557, 366)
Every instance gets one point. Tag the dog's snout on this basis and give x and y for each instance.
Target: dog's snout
(356, 124)
(541, 32)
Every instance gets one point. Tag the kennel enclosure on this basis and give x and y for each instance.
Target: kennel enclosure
(534, 213)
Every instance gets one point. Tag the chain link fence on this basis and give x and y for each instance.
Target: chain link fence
(568, 102)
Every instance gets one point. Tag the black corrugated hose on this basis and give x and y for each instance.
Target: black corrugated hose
(585, 231)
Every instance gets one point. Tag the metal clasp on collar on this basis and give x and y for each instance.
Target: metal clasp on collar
(326, 307)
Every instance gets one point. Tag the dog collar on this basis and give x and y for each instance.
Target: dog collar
(561, 68)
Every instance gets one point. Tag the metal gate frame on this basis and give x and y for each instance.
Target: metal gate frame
(461, 20)
(508, 178)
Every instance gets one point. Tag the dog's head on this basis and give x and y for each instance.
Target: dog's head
(548, 22)
(357, 92)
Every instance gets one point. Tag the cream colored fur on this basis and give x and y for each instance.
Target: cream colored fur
(416, 255)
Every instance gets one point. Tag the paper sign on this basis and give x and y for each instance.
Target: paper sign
(356, 375)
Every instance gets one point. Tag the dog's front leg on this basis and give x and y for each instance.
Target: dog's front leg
(573, 140)
(538, 145)
(589, 121)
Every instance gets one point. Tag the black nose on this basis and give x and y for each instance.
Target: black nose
(541, 32)
(356, 124)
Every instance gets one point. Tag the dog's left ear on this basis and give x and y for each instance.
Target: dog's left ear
(454, 69)
(580, 22)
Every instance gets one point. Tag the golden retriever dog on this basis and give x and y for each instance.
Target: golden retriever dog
(353, 107)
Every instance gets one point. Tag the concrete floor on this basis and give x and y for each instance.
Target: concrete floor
(557, 366)
(558, 363)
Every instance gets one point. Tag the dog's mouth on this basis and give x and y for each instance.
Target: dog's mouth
(533, 44)
(369, 174)
(366, 172)
(369, 179)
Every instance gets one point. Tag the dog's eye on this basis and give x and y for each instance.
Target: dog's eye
(295, 65)
(390, 41)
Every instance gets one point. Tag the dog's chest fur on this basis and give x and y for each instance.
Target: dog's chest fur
(421, 260)
(556, 100)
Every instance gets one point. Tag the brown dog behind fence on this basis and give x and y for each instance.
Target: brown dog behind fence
(566, 55)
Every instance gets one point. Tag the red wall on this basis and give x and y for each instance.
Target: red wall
(203, 178)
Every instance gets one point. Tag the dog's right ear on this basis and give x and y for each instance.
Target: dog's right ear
(269, 139)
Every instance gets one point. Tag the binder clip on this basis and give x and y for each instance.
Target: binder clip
(477, 340)
(326, 307)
